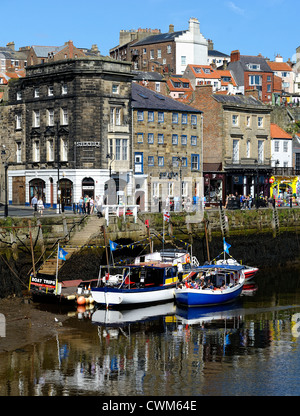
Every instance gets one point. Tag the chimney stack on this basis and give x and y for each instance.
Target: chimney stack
(235, 56)
(11, 45)
(171, 28)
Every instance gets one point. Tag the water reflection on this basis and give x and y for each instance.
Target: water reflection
(249, 347)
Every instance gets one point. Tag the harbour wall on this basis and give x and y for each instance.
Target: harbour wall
(262, 238)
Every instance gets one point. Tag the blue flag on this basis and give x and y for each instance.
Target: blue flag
(113, 246)
(226, 246)
(62, 254)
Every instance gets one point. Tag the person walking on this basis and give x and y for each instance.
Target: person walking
(34, 202)
(40, 206)
(80, 204)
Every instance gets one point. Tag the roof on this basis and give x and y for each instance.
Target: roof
(225, 267)
(145, 99)
(147, 76)
(280, 66)
(239, 100)
(162, 37)
(240, 67)
(43, 51)
(278, 133)
(212, 52)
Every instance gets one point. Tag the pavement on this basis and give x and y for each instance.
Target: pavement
(23, 211)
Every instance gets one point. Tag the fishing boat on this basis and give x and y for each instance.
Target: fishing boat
(135, 284)
(211, 285)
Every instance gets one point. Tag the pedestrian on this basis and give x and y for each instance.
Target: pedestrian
(91, 205)
(40, 206)
(80, 204)
(34, 202)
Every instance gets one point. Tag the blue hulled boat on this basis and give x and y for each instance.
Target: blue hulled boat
(212, 285)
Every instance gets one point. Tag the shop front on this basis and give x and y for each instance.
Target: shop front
(214, 188)
(283, 188)
(249, 182)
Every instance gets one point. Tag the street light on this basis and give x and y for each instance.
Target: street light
(110, 156)
(180, 179)
(5, 157)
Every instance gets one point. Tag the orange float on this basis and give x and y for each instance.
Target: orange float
(81, 300)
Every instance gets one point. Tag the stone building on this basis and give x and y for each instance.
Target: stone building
(236, 144)
(167, 146)
(73, 132)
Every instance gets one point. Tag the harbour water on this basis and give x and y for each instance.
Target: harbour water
(248, 348)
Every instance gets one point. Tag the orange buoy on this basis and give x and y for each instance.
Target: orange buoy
(81, 300)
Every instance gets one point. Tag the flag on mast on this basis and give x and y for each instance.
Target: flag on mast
(62, 254)
(226, 246)
(166, 216)
(113, 246)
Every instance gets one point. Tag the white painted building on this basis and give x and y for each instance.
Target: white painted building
(191, 47)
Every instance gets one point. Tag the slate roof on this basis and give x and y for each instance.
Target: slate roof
(239, 100)
(240, 67)
(9, 53)
(149, 76)
(162, 37)
(43, 51)
(145, 99)
(213, 52)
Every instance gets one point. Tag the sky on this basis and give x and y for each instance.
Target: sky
(269, 27)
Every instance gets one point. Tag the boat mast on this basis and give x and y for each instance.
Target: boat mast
(56, 275)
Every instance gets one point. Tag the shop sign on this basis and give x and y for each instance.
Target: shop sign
(168, 175)
(87, 144)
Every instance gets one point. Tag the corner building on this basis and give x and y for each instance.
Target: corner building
(77, 121)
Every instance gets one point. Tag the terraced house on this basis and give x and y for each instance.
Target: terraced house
(167, 145)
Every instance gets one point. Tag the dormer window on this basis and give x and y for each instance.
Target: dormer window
(254, 67)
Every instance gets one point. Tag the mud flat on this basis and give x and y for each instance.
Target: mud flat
(22, 323)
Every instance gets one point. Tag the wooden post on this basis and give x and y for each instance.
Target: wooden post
(207, 246)
(31, 246)
(105, 242)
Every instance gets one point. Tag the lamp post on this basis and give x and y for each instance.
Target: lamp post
(110, 156)
(58, 210)
(257, 183)
(5, 157)
(180, 181)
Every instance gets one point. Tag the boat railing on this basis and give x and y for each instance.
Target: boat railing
(195, 261)
(120, 211)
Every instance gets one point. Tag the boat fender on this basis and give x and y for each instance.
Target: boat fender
(81, 300)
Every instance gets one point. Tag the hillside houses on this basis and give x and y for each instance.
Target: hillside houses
(165, 117)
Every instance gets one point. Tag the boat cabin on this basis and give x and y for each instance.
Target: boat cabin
(137, 276)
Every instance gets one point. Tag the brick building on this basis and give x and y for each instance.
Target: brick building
(253, 72)
(167, 145)
(74, 117)
(236, 144)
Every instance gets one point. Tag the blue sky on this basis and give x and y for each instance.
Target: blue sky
(269, 27)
